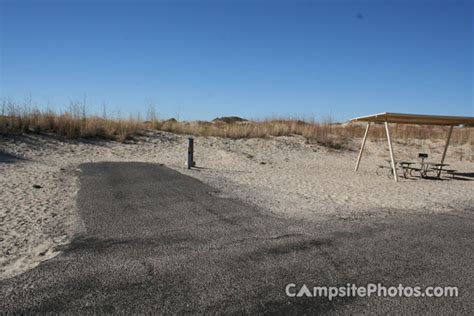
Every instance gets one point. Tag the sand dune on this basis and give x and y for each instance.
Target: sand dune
(288, 176)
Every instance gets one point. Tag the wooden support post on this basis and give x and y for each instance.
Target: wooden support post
(447, 144)
(362, 147)
(392, 158)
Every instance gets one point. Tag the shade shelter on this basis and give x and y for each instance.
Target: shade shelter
(401, 118)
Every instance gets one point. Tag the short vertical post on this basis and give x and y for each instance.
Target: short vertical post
(447, 144)
(190, 152)
(362, 147)
(392, 158)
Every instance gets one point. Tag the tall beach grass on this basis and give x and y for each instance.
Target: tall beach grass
(75, 124)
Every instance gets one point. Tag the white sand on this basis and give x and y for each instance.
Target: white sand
(297, 179)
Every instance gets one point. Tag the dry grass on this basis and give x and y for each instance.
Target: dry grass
(332, 135)
(71, 124)
(74, 124)
(325, 134)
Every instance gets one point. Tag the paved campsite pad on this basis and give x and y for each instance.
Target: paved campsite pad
(159, 241)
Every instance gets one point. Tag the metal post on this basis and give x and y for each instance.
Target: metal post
(362, 147)
(190, 152)
(447, 144)
(392, 158)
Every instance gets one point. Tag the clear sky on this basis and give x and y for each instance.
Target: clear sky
(255, 59)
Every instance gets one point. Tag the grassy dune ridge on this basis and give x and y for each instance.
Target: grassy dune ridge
(75, 124)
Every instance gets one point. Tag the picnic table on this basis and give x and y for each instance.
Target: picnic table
(404, 165)
(407, 168)
(410, 168)
(427, 166)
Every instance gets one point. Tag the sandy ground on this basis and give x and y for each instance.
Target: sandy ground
(288, 176)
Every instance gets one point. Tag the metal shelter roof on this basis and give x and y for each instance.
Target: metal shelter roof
(416, 119)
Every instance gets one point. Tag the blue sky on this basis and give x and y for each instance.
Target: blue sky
(202, 59)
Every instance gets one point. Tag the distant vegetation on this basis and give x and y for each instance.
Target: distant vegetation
(325, 133)
(229, 119)
(75, 124)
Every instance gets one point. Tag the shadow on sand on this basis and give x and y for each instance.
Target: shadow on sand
(464, 174)
(9, 158)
